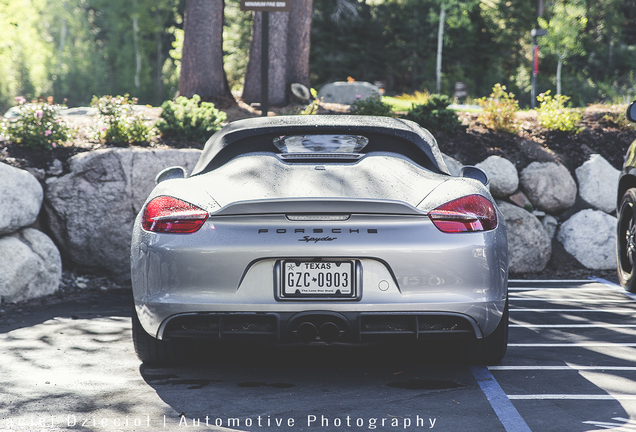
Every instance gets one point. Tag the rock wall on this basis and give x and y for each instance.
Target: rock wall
(90, 213)
(581, 217)
(91, 210)
(31, 264)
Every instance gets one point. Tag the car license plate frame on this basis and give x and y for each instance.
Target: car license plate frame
(318, 279)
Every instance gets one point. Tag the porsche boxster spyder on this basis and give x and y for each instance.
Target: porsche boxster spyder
(319, 230)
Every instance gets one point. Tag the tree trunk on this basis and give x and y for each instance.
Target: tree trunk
(136, 47)
(298, 42)
(558, 76)
(277, 94)
(202, 70)
(159, 71)
(440, 38)
(288, 53)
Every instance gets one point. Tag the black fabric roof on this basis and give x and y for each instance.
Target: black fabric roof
(240, 131)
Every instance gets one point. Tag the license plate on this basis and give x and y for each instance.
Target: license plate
(318, 278)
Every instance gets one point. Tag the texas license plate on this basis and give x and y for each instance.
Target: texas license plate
(318, 278)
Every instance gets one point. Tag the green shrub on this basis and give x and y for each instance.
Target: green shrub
(434, 115)
(116, 122)
(499, 110)
(552, 113)
(190, 119)
(36, 125)
(371, 106)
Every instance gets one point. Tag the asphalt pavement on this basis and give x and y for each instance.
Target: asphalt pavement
(570, 366)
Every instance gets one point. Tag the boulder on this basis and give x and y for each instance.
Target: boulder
(590, 237)
(598, 183)
(346, 93)
(91, 210)
(20, 198)
(454, 166)
(504, 179)
(31, 265)
(549, 186)
(529, 246)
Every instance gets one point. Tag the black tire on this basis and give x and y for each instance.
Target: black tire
(626, 241)
(151, 350)
(491, 349)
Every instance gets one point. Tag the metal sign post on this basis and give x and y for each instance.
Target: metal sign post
(265, 7)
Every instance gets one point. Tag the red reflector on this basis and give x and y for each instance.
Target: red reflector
(466, 214)
(166, 214)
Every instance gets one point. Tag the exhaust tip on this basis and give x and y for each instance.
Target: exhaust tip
(307, 332)
(329, 332)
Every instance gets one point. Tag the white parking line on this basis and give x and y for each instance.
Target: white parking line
(571, 397)
(592, 288)
(571, 300)
(505, 410)
(573, 344)
(616, 287)
(629, 311)
(556, 281)
(573, 325)
(572, 368)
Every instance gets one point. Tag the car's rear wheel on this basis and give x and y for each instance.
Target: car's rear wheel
(492, 348)
(154, 351)
(626, 241)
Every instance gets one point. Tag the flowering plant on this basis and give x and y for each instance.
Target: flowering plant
(35, 125)
(116, 122)
(499, 110)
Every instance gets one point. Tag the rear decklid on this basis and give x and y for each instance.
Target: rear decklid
(264, 177)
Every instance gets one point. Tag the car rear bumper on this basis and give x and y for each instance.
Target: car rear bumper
(409, 274)
(320, 326)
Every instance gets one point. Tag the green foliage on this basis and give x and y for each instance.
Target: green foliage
(499, 110)
(36, 125)
(371, 106)
(237, 34)
(564, 30)
(553, 114)
(190, 119)
(434, 115)
(116, 122)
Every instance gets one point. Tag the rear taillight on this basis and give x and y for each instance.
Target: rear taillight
(466, 214)
(166, 214)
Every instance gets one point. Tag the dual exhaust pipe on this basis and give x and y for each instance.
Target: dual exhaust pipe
(308, 332)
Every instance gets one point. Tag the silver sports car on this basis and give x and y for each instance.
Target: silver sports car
(320, 229)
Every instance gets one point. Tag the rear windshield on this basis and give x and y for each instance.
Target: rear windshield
(320, 143)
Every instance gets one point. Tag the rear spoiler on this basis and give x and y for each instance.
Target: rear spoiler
(319, 206)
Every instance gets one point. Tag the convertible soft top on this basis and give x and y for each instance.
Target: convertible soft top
(256, 134)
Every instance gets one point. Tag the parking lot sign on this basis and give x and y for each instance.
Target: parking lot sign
(266, 5)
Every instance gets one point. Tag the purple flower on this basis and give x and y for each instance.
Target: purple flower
(47, 132)
(358, 96)
(53, 145)
(39, 113)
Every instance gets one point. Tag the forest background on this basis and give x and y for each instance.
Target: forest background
(74, 49)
